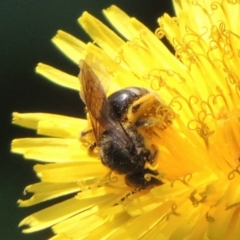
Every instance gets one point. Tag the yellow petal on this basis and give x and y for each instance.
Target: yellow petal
(102, 35)
(45, 191)
(51, 149)
(50, 124)
(69, 172)
(72, 47)
(59, 212)
(59, 77)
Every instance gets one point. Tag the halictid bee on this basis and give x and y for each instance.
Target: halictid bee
(121, 147)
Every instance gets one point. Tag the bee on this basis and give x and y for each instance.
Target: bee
(120, 145)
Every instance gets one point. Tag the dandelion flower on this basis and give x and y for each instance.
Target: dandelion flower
(199, 152)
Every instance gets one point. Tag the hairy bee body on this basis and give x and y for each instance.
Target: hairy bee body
(121, 147)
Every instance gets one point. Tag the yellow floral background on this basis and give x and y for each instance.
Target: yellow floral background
(26, 30)
(199, 154)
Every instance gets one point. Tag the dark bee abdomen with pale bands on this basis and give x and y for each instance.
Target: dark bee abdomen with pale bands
(121, 159)
(121, 100)
(124, 159)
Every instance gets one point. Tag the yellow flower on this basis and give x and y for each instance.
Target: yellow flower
(199, 159)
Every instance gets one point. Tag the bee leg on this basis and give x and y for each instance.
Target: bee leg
(84, 133)
(145, 122)
(141, 106)
(142, 179)
(86, 138)
(91, 147)
(150, 153)
(154, 151)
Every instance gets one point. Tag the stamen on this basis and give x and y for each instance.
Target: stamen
(237, 89)
(173, 211)
(206, 106)
(112, 179)
(232, 79)
(195, 3)
(184, 180)
(233, 205)
(108, 178)
(137, 43)
(201, 128)
(162, 75)
(86, 185)
(174, 21)
(215, 6)
(221, 96)
(152, 167)
(189, 33)
(148, 177)
(160, 33)
(118, 60)
(156, 78)
(194, 200)
(231, 175)
(209, 218)
(178, 49)
(99, 182)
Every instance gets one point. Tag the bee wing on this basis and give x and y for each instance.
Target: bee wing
(99, 69)
(101, 115)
